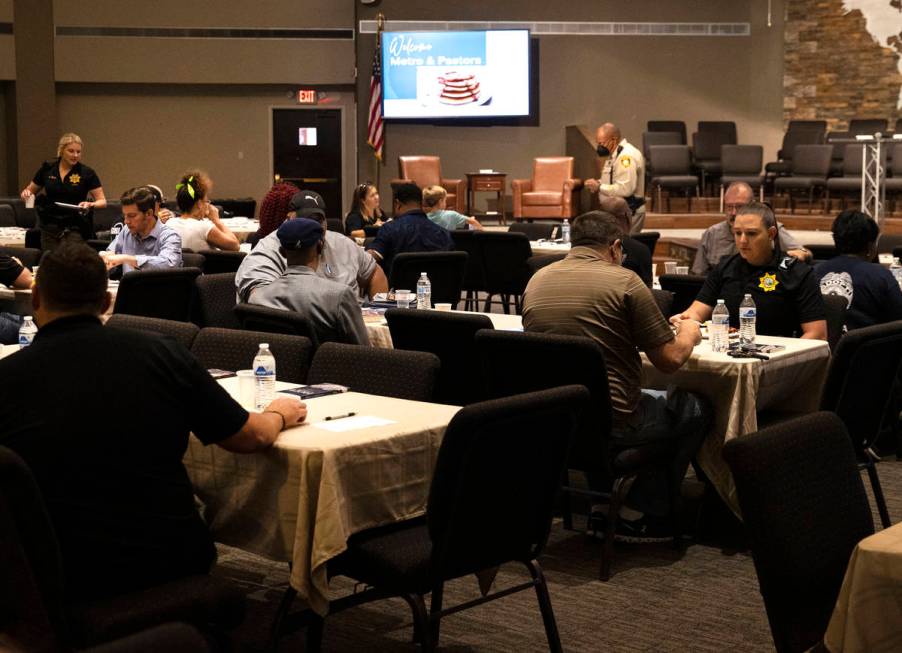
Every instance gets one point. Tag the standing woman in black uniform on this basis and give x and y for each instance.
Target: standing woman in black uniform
(66, 180)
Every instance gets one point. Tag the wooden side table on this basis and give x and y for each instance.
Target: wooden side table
(487, 182)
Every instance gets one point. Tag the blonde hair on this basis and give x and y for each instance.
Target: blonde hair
(65, 139)
(432, 195)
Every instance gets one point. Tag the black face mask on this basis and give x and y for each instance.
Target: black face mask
(603, 151)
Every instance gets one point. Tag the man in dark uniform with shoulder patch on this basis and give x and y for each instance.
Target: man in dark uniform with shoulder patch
(785, 290)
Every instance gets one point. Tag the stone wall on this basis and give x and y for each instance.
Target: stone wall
(834, 68)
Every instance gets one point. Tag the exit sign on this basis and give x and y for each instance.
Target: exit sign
(306, 96)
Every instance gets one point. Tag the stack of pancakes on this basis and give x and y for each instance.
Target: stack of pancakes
(458, 88)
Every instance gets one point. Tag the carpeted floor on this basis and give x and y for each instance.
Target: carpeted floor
(704, 598)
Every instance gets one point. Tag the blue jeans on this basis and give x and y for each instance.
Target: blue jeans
(9, 328)
(675, 414)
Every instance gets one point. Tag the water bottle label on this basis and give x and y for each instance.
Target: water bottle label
(747, 312)
(24, 340)
(720, 319)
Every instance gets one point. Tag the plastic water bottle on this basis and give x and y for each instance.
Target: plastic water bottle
(565, 231)
(27, 331)
(896, 269)
(424, 291)
(264, 377)
(720, 327)
(747, 315)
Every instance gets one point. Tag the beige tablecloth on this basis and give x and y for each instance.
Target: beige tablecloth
(380, 336)
(738, 387)
(548, 248)
(302, 499)
(868, 613)
(18, 301)
(242, 227)
(12, 236)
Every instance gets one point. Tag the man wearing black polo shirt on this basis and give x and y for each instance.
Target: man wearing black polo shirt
(410, 230)
(785, 290)
(106, 428)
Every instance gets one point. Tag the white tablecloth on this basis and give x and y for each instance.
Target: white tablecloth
(12, 236)
(548, 248)
(301, 500)
(380, 336)
(18, 301)
(867, 617)
(242, 227)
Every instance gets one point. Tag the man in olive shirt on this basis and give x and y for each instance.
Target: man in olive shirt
(590, 294)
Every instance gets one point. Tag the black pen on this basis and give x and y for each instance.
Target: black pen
(331, 417)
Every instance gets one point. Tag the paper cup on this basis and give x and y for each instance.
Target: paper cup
(682, 269)
(670, 267)
(29, 202)
(442, 307)
(246, 383)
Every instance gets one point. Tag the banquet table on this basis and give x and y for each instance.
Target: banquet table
(12, 237)
(380, 336)
(242, 227)
(18, 301)
(868, 612)
(740, 387)
(547, 247)
(302, 499)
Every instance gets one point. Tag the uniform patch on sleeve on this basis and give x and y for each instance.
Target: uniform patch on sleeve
(625, 161)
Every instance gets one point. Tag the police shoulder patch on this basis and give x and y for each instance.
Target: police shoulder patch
(788, 262)
(625, 161)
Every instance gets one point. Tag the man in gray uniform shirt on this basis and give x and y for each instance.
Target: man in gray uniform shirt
(342, 259)
(331, 307)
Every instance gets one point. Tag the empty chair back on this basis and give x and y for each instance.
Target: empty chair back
(706, 145)
(671, 160)
(821, 252)
(887, 243)
(793, 481)
(184, 332)
(193, 260)
(465, 241)
(254, 317)
(7, 216)
(835, 309)
(851, 160)
(450, 337)
(233, 350)
(217, 261)
(244, 207)
(385, 372)
(216, 300)
(496, 479)
(741, 159)
(334, 224)
(445, 270)
(673, 126)
(165, 293)
(725, 128)
(895, 166)
(106, 217)
(29, 256)
(867, 126)
(504, 257)
(685, 288)
(792, 139)
(812, 160)
(26, 218)
(648, 238)
(534, 230)
(809, 125)
(650, 138)
(664, 300)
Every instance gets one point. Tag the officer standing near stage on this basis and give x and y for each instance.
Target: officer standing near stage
(623, 174)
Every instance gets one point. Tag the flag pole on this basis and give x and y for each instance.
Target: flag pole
(380, 25)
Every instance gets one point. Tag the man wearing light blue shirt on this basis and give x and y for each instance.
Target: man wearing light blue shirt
(146, 243)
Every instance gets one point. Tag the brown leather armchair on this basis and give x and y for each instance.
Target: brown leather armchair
(427, 171)
(551, 193)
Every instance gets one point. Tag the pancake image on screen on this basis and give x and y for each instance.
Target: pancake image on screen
(458, 88)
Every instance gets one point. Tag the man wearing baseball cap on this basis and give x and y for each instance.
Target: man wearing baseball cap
(341, 261)
(330, 307)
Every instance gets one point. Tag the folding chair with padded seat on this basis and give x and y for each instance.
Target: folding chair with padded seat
(535, 230)
(809, 171)
(165, 293)
(850, 181)
(446, 271)
(216, 301)
(46, 617)
(677, 126)
(450, 337)
(867, 126)
(233, 350)
(254, 317)
(217, 261)
(184, 332)
(372, 370)
(741, 163)
(791, 139)
(490, 502)
(672, 170)
(474, 275)
(504, 265)
(804, 508)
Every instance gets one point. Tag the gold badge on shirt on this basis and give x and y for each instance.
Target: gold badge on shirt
(74, 179)
(625, 161)
(768, 282)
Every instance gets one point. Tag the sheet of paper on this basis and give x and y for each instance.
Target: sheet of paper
(353, 423)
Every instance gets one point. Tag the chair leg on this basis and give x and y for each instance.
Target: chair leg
(435, 609)
(420, 620)
(551, 632)
(566, 505)
(506, 304)
(276, 628)
(607, 549)
(675, 506)
(878, 493)
(488, 303)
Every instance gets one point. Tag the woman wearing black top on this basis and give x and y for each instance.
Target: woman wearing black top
(65, 180)
(365, 211)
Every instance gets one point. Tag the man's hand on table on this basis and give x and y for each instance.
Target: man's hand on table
(292, 410)
(688, 328)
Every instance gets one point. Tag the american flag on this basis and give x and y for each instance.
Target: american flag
(374, 130)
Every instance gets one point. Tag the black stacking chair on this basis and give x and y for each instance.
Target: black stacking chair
(37, 607)
(450, 337)
(867, 126)
(474, 275)
(706, 153)
(446, 271)
(506, 273)
(334, 224)
(804, 509)
(685, 288)
(172, 637)
(741, 163)
(386, 372)
(7, 216)
(651, 138)
(821, 253)
(26, 218)
(888, 243)
(233, 350)
(664, 300)
(677, 126)
(809, 170)
(273, 320)
(539, 261)
(849, 183)
(535, 230)
(216, 301)
(672, 171)
(243, 206)
(514, 362)
(811, 125)
(835, 308)
(217, 261)
(193, 260)
(791, 139)
(859, 388)
(491, 501)
(165, 293)
(184, 332)
(29, 256)
(648, 238)
(726, 129)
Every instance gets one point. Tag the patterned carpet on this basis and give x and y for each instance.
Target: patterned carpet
(704, 598)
